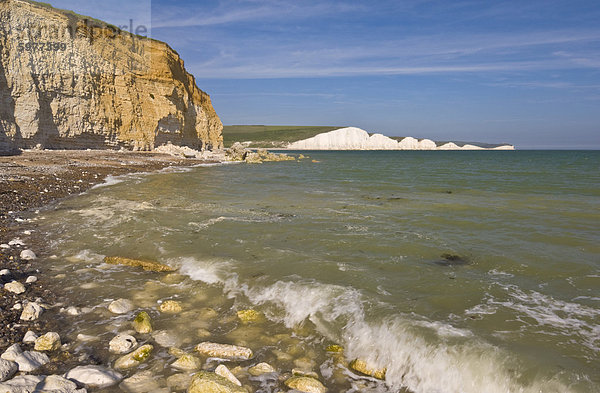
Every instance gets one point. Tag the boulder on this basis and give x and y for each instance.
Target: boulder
(142, 323)
(207, 382)
(121, 306)
(261, 368)
(28, 255)
(22, 384)
(362, 367)
(29, 337)
(71, 311)
(31, 360)
(248, 316)
(31, 312)
(170, 307)
(134, 358)
(335, 348)
(12, 352)
(15, 287)
(141, 382)
(187, 362)
(253, 158)
(94, 376)
(86, 338)
(165, 338)
(305, 384)
(298, 372)
(224, 351)
(144, 264)
(48, 342)
(8, 368)
(122, 343)
(178, 382)
(224, 372)
(58, 384)
(237, 152)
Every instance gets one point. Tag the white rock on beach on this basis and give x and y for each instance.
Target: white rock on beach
(141, 382)
(30, 337)
(94, 376)
(187, 362)
(31, 360)
(15, 287)
(31, 312)
(48, 342)
(86, 338)
(16, 242)
(12, 352)
(134, 358)
(122, 343)
(178, 382)
(58, 384)
(8, 368)
(72, 311)
(223, 371)
(224, 351)
(4, 272)
(22, 384)
(31, 279)
(28, 255)
(261, 368)
(166, 339)
(4, 246)
(121, 306)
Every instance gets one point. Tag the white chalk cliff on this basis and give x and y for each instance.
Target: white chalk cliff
(353, 138)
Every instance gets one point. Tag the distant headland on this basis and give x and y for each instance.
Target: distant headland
(335, 138)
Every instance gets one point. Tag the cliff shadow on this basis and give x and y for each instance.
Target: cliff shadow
(48, 132)
(8, 124)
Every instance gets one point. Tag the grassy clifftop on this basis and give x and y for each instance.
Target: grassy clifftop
(270, 136)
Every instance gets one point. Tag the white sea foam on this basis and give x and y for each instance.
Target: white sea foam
(499, 273)
(114, 210)
(109, 181)
(444, 329)
(345, 267)
(208, 223)
(421, 366)
(85, 256)
(208, 271)
(570, 319)
(455, 363)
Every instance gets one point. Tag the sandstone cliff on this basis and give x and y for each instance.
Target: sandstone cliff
(67, 82)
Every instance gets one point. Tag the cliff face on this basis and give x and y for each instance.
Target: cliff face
(70, 83)
(352, 138)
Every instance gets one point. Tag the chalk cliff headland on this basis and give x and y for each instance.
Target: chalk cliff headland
(68, 82)
(353, 138)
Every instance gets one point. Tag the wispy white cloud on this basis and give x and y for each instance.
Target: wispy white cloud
(231, 12)
(272, 71)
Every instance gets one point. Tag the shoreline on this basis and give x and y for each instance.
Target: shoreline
(36, 180)
(54, 359)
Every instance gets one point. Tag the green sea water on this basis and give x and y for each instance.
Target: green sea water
(457, 271)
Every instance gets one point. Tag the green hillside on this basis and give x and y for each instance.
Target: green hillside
(270, 136)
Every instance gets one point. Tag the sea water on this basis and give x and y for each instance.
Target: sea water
(456, 271)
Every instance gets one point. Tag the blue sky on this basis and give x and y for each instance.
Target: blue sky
(527, 73)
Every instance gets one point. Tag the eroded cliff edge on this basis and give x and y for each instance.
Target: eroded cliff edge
(70, 83)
